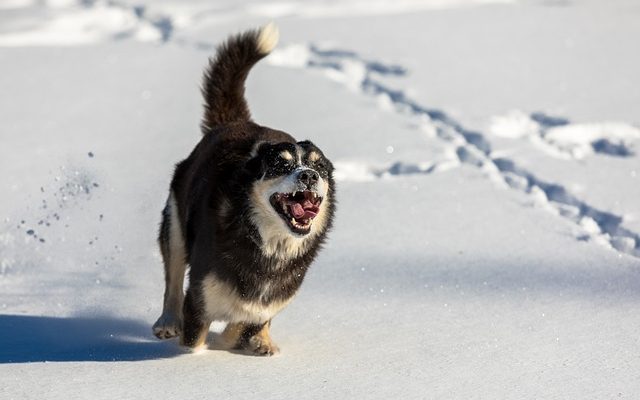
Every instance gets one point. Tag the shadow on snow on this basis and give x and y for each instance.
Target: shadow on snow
(27, 338)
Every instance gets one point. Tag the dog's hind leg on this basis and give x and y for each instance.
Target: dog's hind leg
(254, 338)
(172, 247)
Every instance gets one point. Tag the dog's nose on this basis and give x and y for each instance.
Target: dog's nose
(308, 177)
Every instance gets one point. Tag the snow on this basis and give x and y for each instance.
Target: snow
(487, 238)
(68, 24)
(562, 139)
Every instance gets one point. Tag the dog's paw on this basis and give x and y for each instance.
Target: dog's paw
(167, 326)
(261, 346)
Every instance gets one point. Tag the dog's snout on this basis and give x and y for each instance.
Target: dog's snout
(308, 177)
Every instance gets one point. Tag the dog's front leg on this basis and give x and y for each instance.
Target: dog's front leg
(195, 325)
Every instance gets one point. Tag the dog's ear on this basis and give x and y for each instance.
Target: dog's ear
(254, 164)
(308, 145)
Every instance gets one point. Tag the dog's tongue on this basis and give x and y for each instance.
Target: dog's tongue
(297, 210)
(304, 210)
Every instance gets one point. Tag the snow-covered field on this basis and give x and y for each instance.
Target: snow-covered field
(487, 238)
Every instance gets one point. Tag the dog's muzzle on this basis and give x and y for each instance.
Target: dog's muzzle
(298, 209)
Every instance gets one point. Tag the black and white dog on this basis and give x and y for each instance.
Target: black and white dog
(248, 211)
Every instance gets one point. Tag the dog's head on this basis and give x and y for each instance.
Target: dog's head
(291, 197)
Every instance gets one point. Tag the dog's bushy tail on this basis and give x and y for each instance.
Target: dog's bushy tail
(223, 84)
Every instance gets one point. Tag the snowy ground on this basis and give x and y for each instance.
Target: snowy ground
(486, 243)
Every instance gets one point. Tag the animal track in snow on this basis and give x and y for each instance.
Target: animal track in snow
(356, 171)
(473, 148)
(560, 138)
(86, 21)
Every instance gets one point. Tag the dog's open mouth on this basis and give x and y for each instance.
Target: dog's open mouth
(298, 209)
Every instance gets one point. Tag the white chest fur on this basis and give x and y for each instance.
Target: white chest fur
(224, 303)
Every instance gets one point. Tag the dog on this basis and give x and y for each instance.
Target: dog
(247, 211)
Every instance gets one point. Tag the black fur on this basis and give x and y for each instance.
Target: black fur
(212, 190)
(223, 84)
(194, 321)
